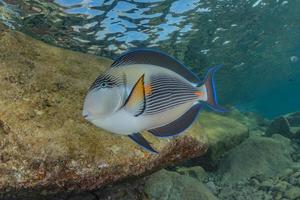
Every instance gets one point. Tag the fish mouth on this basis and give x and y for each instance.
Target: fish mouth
(88, 117)
(85, 114)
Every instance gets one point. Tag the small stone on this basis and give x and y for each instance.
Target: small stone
(195, 172)
(292, 193)
(286, 172)
(39, 112)
(212, 187)
(281, 186)
(171, 185)
(278, 196)
(293, 180)
(296, 174)
(36, 9)
(254, 182)
(281, 126)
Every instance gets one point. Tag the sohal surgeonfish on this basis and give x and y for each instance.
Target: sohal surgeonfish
(147, 90)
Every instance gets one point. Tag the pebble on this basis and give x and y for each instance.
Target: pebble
(297, 174)
(292, 193)
(293, 180)
(38, 112)
(282, 186)
(254, 182)
(266, 185)
(287, 172)
(212, 187)
(278, 196)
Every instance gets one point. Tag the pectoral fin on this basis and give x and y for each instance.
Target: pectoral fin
(140, 140)
(136, 101)
(179, 125)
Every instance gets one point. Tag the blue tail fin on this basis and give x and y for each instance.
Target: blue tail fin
(212, 99)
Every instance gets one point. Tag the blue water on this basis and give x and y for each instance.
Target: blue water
(256, 41)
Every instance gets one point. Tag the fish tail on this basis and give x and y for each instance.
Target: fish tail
(210, 90)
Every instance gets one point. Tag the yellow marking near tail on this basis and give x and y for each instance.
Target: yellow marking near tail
(148, 90)
(199, 94)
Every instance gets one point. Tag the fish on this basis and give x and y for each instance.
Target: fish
(148, 90)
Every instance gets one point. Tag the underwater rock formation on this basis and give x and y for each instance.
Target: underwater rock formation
(287, 125)
(223, 133)
(283, 183)
(167, 185)
(257, 156)
(47, 148)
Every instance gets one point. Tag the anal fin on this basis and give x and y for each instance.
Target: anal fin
(179, 125)
(140, 140)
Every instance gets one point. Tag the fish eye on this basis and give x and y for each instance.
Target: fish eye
(104, 81)
(104, 84)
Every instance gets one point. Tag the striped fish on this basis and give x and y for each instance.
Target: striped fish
(148, 90)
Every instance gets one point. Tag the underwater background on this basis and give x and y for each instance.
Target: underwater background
(256, 41)
(252, 152)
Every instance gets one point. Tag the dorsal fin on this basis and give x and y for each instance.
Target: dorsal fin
(136, 101)
(154, 57)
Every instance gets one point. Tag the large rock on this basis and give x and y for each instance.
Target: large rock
(287, 125)
(257, 156)
(223, 132)
(167, 185)
(251, 120)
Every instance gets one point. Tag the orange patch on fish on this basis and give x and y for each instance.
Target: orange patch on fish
(148, 90)
(199, 94)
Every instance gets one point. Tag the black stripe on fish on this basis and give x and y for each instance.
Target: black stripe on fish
(158, 98)
(106, 81)
(168, 102)
(168, 92)
(160, 109)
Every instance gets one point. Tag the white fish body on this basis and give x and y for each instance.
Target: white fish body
(148, 90)
(125, 123)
